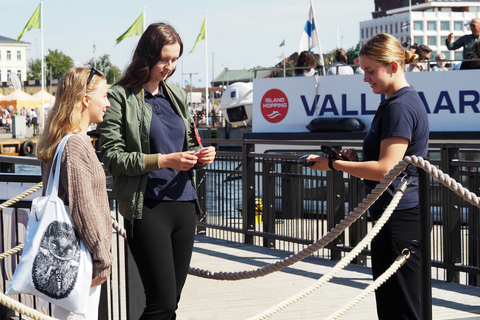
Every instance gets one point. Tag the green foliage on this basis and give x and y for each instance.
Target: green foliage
(279, 73)
(34, 69)
(112, 73)
(59, 62)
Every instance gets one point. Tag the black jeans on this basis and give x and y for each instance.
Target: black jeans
(162, 247)
(399, 297)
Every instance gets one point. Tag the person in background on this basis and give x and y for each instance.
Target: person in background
(427, 52)
(441, 61)
(29, 118)
(467, 41)
(306, 60)
(34, 118)
(466, 65)
(81, 99)
(400, 128)
(150, 146)
(9, 122)
(416, 66)
(340, 66)
(356, 61)
(413, 48)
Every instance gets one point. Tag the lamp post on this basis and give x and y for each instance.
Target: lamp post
(191, 85)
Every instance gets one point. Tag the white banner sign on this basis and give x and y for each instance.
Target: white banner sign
(451, 99)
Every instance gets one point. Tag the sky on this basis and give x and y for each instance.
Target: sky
(240, 34)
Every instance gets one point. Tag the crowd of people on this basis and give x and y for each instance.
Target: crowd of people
(426, 62)
(199, 114)
(31, 116)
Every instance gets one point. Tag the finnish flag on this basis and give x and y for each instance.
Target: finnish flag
(309, 38)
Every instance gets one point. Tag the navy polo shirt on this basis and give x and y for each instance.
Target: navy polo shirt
(167, 135)
(401, 115)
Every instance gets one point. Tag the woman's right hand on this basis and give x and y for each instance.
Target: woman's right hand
(351, 154)
(181, 161)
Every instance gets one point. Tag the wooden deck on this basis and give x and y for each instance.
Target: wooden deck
(216, 299)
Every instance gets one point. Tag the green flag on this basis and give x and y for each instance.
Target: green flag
(135, 30)
(201, 35)
(33, 23)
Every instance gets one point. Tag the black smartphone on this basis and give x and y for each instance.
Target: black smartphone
(302, 161)
(331, 152)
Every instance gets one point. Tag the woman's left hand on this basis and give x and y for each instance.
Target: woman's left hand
(321, 162)
(97, 281)
(206, 155)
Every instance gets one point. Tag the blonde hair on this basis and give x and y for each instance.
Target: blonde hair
(385, 49)
(64, 117)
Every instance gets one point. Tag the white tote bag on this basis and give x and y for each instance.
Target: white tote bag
(55, 265)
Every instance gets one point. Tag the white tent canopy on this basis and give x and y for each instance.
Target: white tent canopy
(19, 95)
(47, 97)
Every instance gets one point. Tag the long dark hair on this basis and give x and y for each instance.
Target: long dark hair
(148, 53)
(305, 59)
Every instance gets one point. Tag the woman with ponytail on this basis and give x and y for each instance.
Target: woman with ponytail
(400, 128)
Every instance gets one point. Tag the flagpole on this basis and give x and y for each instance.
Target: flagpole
(144, 18)
(318, 40)
(207, 108)
(284, 61)
(410, 21)
(43, 68)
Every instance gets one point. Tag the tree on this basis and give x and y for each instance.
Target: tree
(34, 69)
(279, 73)
(112, 73)
(59, 62)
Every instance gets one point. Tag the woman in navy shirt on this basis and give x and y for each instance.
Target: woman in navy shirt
(400, 128)
(150, 146)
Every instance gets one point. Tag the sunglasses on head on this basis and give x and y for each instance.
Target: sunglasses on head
(92, 72)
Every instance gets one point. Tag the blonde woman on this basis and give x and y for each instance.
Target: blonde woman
(400, 128)
(81, 99)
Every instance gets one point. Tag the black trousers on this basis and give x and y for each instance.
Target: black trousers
(162, 246)
(399, 297)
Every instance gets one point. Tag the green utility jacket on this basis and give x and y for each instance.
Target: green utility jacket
(125, 143)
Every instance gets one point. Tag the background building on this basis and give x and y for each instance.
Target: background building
(13, 59)
(425, 22)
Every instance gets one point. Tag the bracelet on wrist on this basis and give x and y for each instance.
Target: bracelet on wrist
(330, 164)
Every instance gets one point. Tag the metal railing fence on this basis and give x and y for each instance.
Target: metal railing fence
(260, 195)
(268, 199)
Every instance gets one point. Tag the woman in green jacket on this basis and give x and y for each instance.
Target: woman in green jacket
(150, 146)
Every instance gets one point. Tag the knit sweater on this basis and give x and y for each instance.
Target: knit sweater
(82, 187)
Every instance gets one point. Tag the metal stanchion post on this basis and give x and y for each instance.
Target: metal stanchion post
(425, 262)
